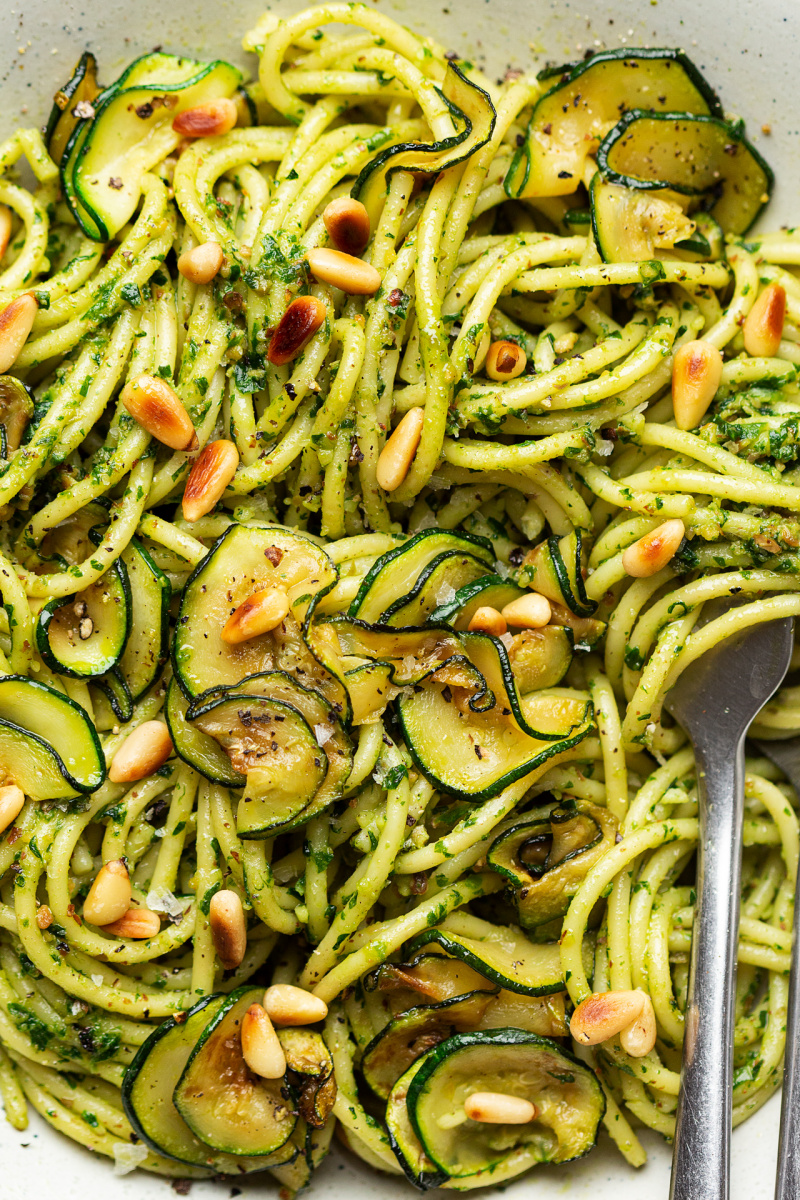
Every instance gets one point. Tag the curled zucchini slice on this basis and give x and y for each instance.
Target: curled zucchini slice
(310, 1074)
(392, 578)
(696, 155)
(200, 750)
(568, 1098)
(547, 858)
(85, 635)
(569, 120)
(633, 226)
(48, 745)
(147, 1095)
(540, 658)
(16, 410)
(489, 590)
(500, 953)
(223, 1103)
(555, 568)
(146, 649)
(417, 1166)
(248, 559)
(448, 573)
(80, 89)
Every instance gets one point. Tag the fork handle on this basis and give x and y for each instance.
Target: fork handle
(701, 1157)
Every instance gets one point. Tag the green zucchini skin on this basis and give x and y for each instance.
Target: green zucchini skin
(41, 731)
(418, 1169)
(491, 590)
(82, 85)
(116, 692)
(111, 616)
(568, 1097)
(147, 647)
(730, 163)
(503, 956)
(197, 749)
(452, 568)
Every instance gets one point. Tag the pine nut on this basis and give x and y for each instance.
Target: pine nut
(206, 120)
(137, 923)
(144, 750)
(44, 917)
(201, 264)
(298, 324)
(228, 928)
(288, 1005)
(497, 1108)
(110, 895)
(398, 454)
(211, 473)
(696, 373)
(5, 228)
(261, 1049)
(528, 612)
(639, 1038)
(260, 613)
(155, 406)
(16, 322)
(12, 799)
(653, 551)
(488, 620)
(603, 1015)
(347, 223)
(505, 360)
(344, 271)
(763, 327)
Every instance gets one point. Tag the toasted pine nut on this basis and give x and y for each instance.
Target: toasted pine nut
(12, 799)
(505, 360)
(138, 923)
(398, 454)
(639, 1038)
(300, 322)
(487, 620)
(206, 120)
(261, 1049)
(528, 612)
(5, 228)
(259, 613)
(288, 1005)
(347, 223)
(16, 322)
(144, 750)
(696, 372)
(228, 928)
(653, 551)
(763, 327)
(44, 916)
(604, 1014)
(110, 895)
(201, 264)
(211, 473)
(158, 409)
(497, 1108)
(344, 271)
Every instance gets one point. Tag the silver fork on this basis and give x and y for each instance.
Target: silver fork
(787, 1183)
(715, 700)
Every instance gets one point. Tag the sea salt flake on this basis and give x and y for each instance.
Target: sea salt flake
(323, 734)
(445, 593)
(128, 1157)
(161, 900)
(97, 980)
(604, 447)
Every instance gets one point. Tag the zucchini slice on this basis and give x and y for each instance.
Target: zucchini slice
(547, 858)
(472, 111)
(244, 560)
(500, 953)
(310, 1072)
(420, 1171)
(491, 590)
(85, 635)
(112, 695)
(196, 748)
(48, 745)
(447, 573)
(475, 754)
(149, 1084)
(393, 576)
(80, 89)
(147, 647)
(17, 404)
(569, 120)
(586, 631)
(540, 658)
(695, 155)
(370, 689)
(131, 132)
(271, 744)
(223, 1103)
(568, 1098)
(555, 568)
(411, 1033)
(633, 226)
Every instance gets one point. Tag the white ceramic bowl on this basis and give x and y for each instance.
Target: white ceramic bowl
(749, 51)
